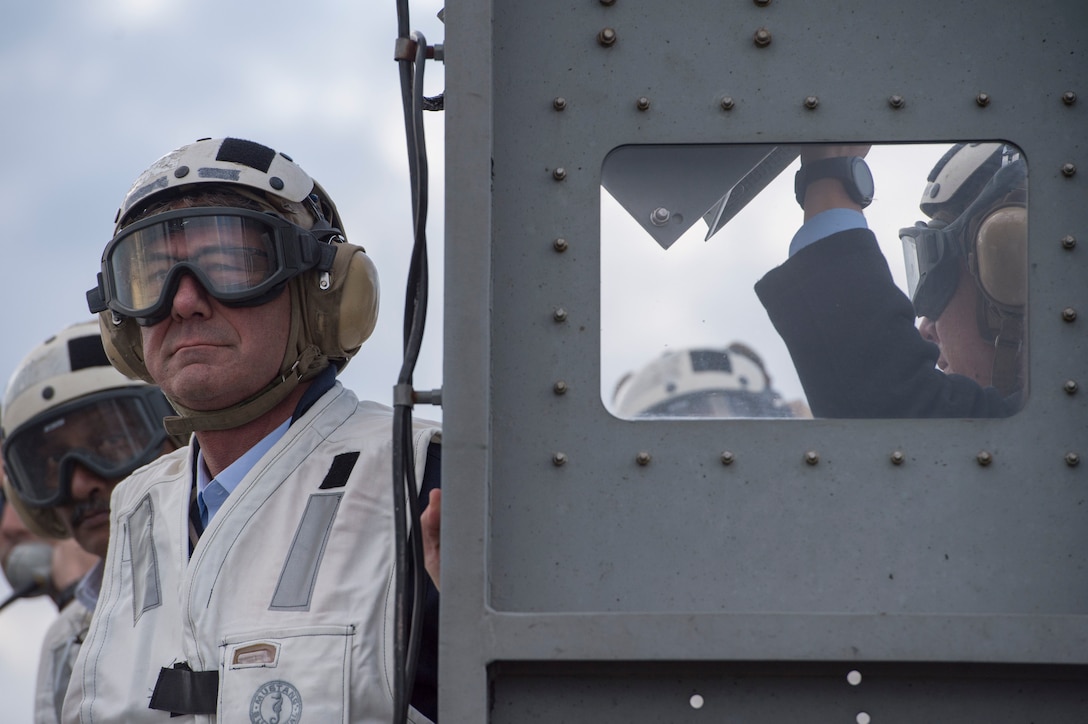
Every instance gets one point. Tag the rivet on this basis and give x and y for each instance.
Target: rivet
(1069, 98)
(1069, 241)
(560, 245)
(606, 37)
(560, 315)
(727, 103)
(559, 458)
(762, 37)
(1069, 314)
(983, 99)
(559, 174)
(560, 387)
(1070, 387)
(181, 172)
(660, 216)
(897, 101)
(1069, 170)
(48, 392)
(898, 457)
(811, 102)
(276, 182)
(984, 458)
(812, 457)
(643, 458)
(560, 103)
(728, 458)
(643, 103)
(1072, 459)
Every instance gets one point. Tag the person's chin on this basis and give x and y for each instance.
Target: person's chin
(93, 534)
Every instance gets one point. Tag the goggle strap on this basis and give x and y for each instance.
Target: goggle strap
(1007, 369)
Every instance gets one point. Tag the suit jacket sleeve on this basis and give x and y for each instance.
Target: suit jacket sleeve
(851, 334)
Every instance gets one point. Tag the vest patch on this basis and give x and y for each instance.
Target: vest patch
(276, 702)
(341, 468)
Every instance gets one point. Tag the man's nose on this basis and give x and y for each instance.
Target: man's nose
(85, 484)
(191, 296)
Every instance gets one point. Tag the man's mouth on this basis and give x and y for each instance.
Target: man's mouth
(89, 509)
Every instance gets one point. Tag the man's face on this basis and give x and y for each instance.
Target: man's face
(955, 332)
(87, 516)
(206, 355)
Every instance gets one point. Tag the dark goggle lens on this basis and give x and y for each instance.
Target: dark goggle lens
(237, 255)
(110, 436)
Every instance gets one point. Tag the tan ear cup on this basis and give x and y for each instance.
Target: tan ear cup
(124, 347)
(1002, 254)
(341, 316)
(359, 300)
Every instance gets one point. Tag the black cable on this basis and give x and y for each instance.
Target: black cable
(28, 591)
(405, 487)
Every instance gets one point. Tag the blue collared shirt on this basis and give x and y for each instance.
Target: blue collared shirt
(825, 224)
(212, 493)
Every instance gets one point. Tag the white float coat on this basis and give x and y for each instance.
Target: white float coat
(289, 592)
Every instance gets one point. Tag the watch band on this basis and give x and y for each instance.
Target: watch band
(851, 171)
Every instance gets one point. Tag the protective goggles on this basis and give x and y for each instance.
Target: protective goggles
(109, 433)
(240, 257)
(929, 256)
(930, 251)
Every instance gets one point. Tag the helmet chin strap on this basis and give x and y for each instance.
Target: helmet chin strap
(189, 420)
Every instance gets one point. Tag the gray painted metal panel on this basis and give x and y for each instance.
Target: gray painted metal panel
(853, 559)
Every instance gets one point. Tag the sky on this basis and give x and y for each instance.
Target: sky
(94, 92)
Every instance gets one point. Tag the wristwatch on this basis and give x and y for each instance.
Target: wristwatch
(852, 171)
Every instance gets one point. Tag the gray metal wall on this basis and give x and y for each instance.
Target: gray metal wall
(605, 590)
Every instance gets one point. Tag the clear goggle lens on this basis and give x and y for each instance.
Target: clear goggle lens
(929, 259)
(236, 254)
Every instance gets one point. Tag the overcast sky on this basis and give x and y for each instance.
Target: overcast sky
(93, 92)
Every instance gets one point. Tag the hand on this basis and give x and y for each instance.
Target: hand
(430, 523)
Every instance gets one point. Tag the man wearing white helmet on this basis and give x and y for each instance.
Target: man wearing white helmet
(249, 576)
(851, 331)
(702, 382)
(73, 427)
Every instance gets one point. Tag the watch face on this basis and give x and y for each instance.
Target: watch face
(863, 180)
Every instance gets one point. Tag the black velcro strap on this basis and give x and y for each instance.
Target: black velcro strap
(181, 691)
(247, 153)
(339, 471)
(84, 352)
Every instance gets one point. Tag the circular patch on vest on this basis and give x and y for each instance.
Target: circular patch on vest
(276, 702)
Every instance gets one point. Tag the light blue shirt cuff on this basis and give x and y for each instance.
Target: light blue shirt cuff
(825, 224)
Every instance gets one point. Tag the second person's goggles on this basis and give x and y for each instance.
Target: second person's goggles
(239, 256)
(109, 433)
